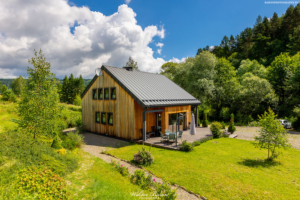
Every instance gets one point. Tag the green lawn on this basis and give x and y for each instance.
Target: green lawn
(226, 169)
(97, 179)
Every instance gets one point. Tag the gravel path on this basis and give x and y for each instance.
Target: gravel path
(248, 133)
(95, 144)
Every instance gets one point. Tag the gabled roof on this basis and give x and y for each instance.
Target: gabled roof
(150, 90)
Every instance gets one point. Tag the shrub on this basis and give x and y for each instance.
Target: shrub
(76, 137)
(204, 122)
(196, 143)
(8, 95)
(164, 191)
(253, 124)
(215, 129)
(186, 146)
(30, 152)
(139, 178)
(122, 169)
(37, 184)
(56, 144)
(62, 151)
(143, 157)
(77, 101)
(206, 139)
(223, 125)
(231, 127)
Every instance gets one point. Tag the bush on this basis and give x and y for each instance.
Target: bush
(253, 124)
(76, 137)
(223, 125)
(204, 122)
(122, 169)
(77, 101)
(8, 95)
(56, 144)
(164, 191)
(215, 129)
(186, 146)
(196, 143)
(231, 127)
(143, 157)
(139, 178)
(38, 184)
(62, 151)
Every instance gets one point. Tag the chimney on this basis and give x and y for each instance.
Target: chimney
(128, 68)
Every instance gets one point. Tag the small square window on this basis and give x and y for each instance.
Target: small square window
(100, 93)
(110, 118)
(98, 117)
(103, 118)
(94, 94)
(106, 93)
(113, 93)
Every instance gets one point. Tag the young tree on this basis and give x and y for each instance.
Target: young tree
(17, 85)
(3, 89)
(133, 64)
(272, 134)
(204, 122)
(38, 108)
(72, 90)
(231, 127)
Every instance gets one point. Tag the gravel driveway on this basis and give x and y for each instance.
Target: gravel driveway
(248, 133)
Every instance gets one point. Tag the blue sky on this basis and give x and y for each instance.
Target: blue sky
(191, 24)
(79, 36)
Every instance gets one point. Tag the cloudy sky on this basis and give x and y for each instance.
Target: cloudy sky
(78, 36)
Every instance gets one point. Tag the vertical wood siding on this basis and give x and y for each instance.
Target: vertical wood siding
(122, 109)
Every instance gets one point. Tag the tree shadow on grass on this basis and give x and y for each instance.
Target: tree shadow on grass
(259, 163)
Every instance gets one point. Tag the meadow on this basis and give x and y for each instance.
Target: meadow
(226, 169)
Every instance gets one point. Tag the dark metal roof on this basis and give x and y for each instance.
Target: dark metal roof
(150, 90)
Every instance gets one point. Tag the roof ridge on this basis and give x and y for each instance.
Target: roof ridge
(134, 71)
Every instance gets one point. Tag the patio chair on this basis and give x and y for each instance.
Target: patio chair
(163, 137)
(167, 131)
(172, 137)
(180, 135)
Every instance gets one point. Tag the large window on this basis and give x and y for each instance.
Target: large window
(110, 118)
(103, 118)
(100, 93)
(94, 94)
(106, 93)
(97, 117)
(113, 93)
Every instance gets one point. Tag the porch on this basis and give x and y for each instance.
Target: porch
(156, 141)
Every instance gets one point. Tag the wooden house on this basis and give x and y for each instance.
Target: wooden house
(128, 104)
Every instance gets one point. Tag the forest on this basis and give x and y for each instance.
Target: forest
(246, 74)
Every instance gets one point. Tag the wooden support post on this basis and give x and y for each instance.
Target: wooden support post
(144, 125)
(197, 116)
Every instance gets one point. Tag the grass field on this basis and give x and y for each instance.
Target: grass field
(96, 179)
(226, 169)
(92, 178)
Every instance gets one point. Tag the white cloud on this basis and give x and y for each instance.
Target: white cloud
(127, 1)
(159, 44)
(94, 39)
(211, 48)
(176, 60)
(159, 51)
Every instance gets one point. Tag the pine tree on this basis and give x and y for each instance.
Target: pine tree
(133, 64)
(72, 89)
(65, 90)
